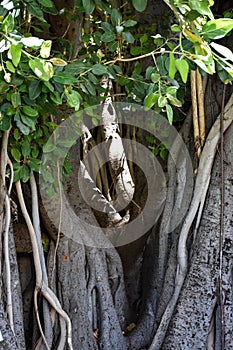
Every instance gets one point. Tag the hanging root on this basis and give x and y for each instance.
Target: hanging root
(200, 192)
(41, 286)
(201, 107)
(4, 160)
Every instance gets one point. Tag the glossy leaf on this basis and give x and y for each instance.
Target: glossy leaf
(15, 52)
(99, 69)
(34, 89)
(223, 50)
(169, 111)
(45, 48)
(183, 68)
(172, 66)
(23, 128)
(16, 99)
(130, 23)
(5, 122)
(218, 28)
(64, 78)
(116, 17)
(139, 5)
(56, 61)
(35, 10)
(202, 7)
(46, 3)
(89, 6)
(39, 68)
(151, 100)
(16, 154)
(108, 37)
(31, 112)
(28, 121)
(128, 37)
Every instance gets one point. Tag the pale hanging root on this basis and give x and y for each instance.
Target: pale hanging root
(196, 131)
(36, 224)
(201, 107)
(4, 160)
(38, 320)
(200, 192)
(7, 262)
(46, 292)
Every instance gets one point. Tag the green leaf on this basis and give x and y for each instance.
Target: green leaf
(128, 37)
(218, 28)
(24, 173)
(41, 68)
(169, 111)
(15, 52)
(139, 5)
(31, 112)
(34, 164)
(35, 10)
(5, 122)
(23, 128)
(162, 101)
(116, 17)
(28, 121)
(107, 27)
(108, 37)
(74, 99)
(90, 88)
(16, 99)
(183, 68)
(16, 154)
(151, 100)
(175, 28)
(46, 48)
(202, 7)
(130, 23)
(64, 78)
(155, 77)
(7, 25)
(174, 101)
(17, 135)
(172, 65)
(112, 46)
(10, 67)
(56, 61)
(34, 89)
(25, 148)
(135, 50)
(99, 69)
(46, 3)
(89, 6)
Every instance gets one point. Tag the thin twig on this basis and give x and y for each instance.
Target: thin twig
(221, 239)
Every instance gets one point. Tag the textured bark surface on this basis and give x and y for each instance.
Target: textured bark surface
(199, 299)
